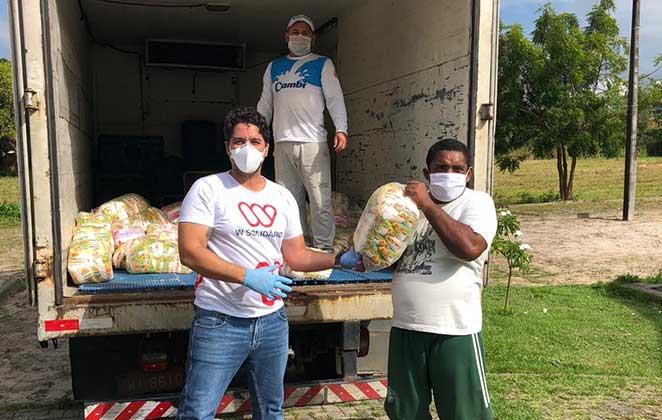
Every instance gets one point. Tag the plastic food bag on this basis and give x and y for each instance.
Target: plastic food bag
(92, 219)
(153, 254)
(343, 240)
(286, 271)
(121, 208)
(172, 211)
(142, 219)
(119, 257)
(123, 235)
(340, 205)
(94, 233)
(385, 227)
(169, 230)
(89, 261)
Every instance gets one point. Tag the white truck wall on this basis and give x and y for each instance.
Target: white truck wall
(72, 85)
(406, 73)
(169, 96)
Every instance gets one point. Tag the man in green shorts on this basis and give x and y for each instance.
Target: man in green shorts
(436, 344)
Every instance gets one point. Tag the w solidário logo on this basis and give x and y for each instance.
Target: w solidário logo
(258, 215)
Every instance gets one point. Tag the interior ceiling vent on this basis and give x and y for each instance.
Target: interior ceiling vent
(195, 54)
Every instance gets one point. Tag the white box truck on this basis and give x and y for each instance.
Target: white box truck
(116, 96)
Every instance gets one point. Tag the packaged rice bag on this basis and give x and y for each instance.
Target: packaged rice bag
(89, 261)
(119, 257)
(94, 233)
(168, 230)
(142, 219)
(386, 227)
(92, 219)
(340, 205)
(286, 271)
(121, 208)
(125, 234)
(172, 211)
(343, 240)
(153, 254)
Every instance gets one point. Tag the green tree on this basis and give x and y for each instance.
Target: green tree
(7, 134)
(560, 91)
(649, 124)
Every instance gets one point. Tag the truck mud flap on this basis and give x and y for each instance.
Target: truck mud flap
(239, 402)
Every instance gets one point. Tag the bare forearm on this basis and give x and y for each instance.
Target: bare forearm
(459, 238)
(203, 261)
(308, 261)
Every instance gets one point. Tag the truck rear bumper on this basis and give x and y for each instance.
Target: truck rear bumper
(173, 310)
(238, 402)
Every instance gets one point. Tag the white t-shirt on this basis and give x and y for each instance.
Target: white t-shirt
(433, 290)
(248, 229)
(294, 92)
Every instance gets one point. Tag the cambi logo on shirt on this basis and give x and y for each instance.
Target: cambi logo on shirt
(292, 80)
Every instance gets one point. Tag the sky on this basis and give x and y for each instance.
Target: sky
(524, 12)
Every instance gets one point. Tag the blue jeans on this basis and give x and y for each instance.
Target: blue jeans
(218, 346)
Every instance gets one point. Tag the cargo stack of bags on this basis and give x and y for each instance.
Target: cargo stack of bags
(124, 233)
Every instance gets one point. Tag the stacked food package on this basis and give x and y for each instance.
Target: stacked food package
(172, 211)
(286, 271)
(124, 233)
(340, 205)
(153, 254)
(385, 227)
(91, 249)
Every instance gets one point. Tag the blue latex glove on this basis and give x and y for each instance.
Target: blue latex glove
(349, 259)
(267, 283)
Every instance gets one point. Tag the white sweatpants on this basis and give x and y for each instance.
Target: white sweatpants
(306, 167)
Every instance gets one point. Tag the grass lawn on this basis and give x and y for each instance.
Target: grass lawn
(10, 213)
(598, 185)
(574, 352)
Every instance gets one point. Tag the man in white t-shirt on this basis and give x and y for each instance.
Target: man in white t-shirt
(235, 230)
(436, 343)
(295, 90)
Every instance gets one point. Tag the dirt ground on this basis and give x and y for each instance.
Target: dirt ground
(571, 250)
(567, 249)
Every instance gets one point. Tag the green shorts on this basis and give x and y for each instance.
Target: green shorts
(450, 367)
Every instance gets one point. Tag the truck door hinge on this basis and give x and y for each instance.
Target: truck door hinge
(31, 100)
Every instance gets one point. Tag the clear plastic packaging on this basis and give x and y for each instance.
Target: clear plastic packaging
(172, 211)
(121, 208)
(153, 254)
(90, 261)
(340, 205)
(385, 227)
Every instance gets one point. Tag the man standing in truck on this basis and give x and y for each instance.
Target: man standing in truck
(296, 89)
(236, 229)
(436, 343)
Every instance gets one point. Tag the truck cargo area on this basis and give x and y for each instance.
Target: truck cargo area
(129, 96)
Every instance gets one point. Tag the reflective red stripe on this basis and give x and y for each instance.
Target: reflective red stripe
(385, 383)
(308, 396)
(158, 411)
(288, 393)
(341, 393)
(246, 406)
(225, 401)
(130, 410)
(367, 390)
(99, 411)
(62, 325)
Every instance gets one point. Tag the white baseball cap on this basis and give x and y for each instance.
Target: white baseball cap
(301, 18)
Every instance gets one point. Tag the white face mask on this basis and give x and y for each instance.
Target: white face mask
(247, 158)
(447, 187)
(299, 44)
